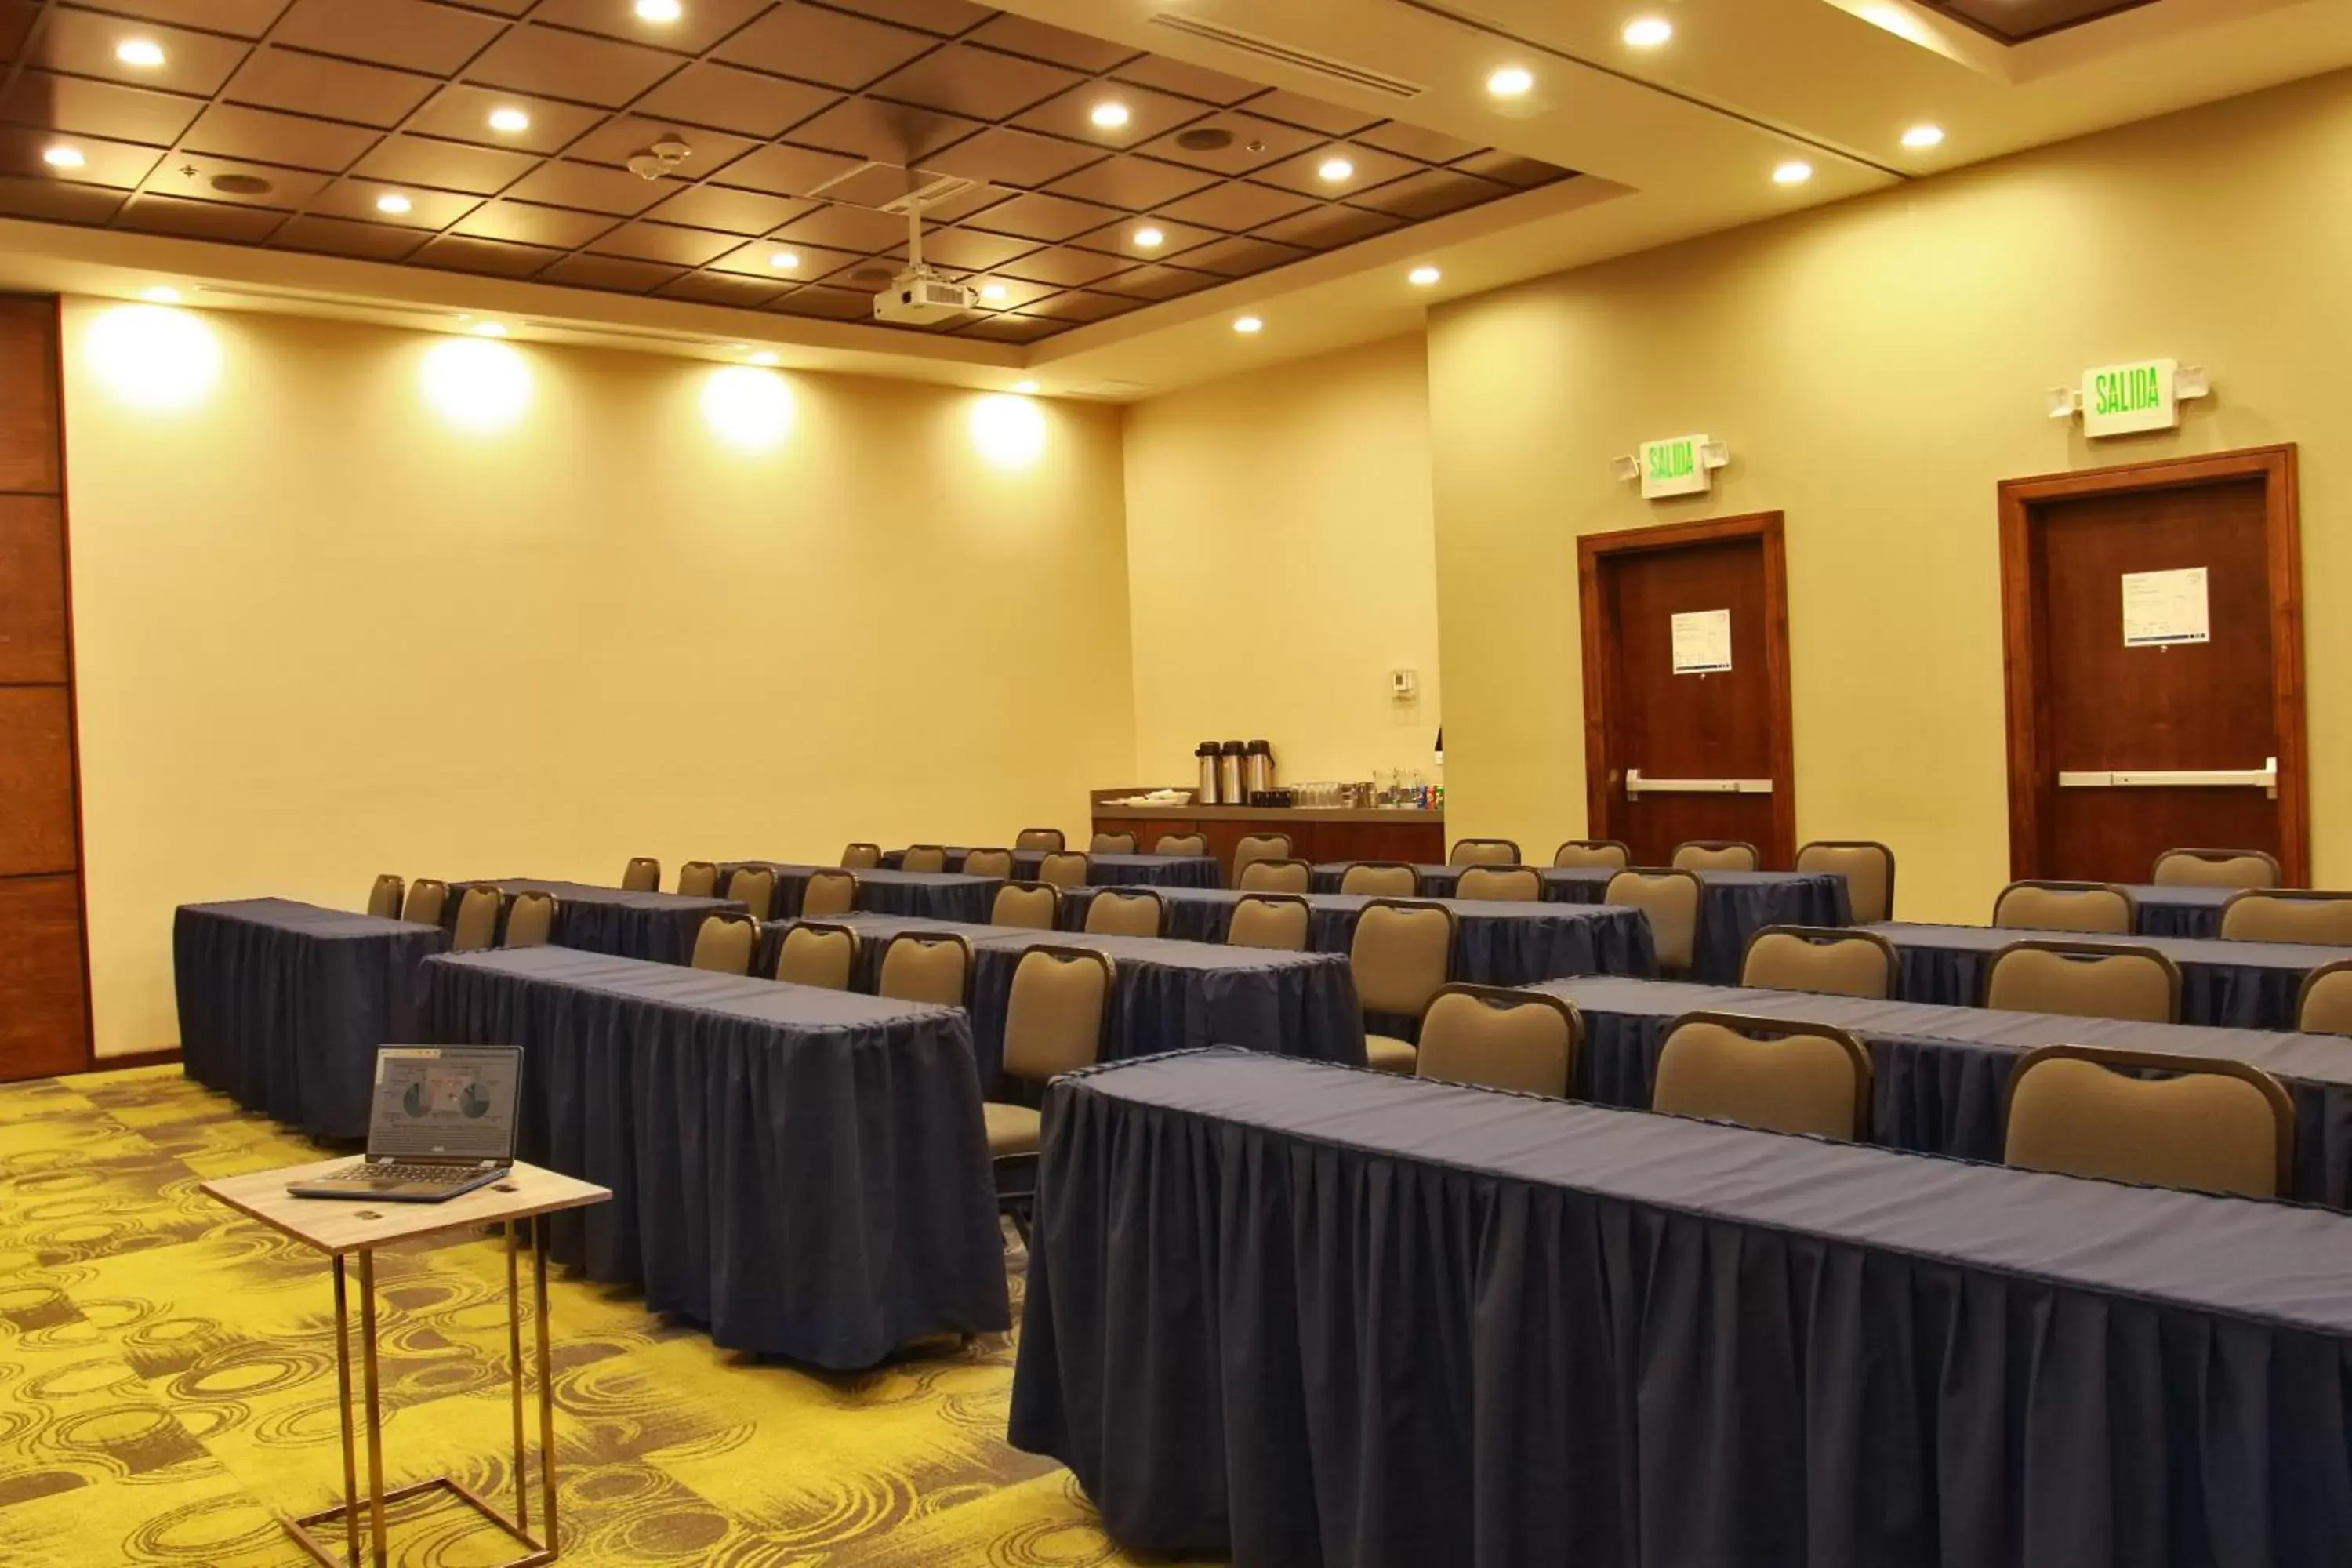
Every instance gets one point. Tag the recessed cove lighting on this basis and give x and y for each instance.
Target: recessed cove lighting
(64, 158)
(1334, 170)
(489, 330)
(1648, 32)
(1921, 137)
(659, 10)
(1025, 388)
(750, 410)
(1149, 238)
(1795, 171)
(509, 120)
(393, 202)
(1009, 432)
(1511, 81)
(1249, 326)
(784, 260)
(145, 53)
(1423, 277)
(160, 294)
(153, 359)
(477, 387)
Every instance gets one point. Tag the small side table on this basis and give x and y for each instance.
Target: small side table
(343, 1228)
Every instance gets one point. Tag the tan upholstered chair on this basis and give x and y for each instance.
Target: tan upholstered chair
(1510, 884)
(1112, 844)
(754, 888)
(1054, 1024)
(1716, 855)
(2324, 1004)
(478, 920)
(1272, 876)
(1602, 854)
(924, 857)
(2085, 980)
(1033, 906)
(829, 893)
(1064, 869)
(2216, 868)
(861, 856)
(385, 898)
(1833, 962)
(989, 863)
(698, 880)
(1382, 879)
(2100, 909)
(1276, 920)
(530, 919)
(1523, 1040)
(727, 943)
(1125, 912)
(2213, 1126)
(1674, 902)
(642, 875)
(1799, 1077)
(818, 955)
(925, 966)
(1403, 955)
(1259, 846)
(1484, 852)
(2276, 915)
(427, 897)
(1048, 839)
(1868, 867)
(1182, 844)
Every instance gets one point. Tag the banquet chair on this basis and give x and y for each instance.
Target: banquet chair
(477, 919)
(924, 857)
(754, 888)
(1182, 844)
(1112, 844)
(861, 856)
(1275, 876)
(2207, 1125)
(1401, 956)
(925, 966)
(1484, 852)
(642, 875)
(1508, 884)
(1126, 911)
(1054, 1024)
(1674, 903)
(1833, 962)
(2278, 915)
(698, 880)
(385, 898)
(2098, 909)
(1607, 854)
(1382, 879)
(1523, 1040)
(1064, 869)
(2324, 1006)
(1032, 906)
(2216, 868)
(530, 919)
(1048, 839)
(427, 897)
(989, 863)
(1278, 921)
(1258, 846)
(2085, 980)
(818, 955)
(829, 893)
(726, 943)
(1799, 1078)
(1868, 867)
(1716, 855)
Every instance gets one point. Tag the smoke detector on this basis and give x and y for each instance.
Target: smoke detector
(662, 158)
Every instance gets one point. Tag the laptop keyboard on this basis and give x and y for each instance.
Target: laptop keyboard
(372, 1176)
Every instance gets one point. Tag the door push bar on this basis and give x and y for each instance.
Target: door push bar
(1636, 786)
(2264, 778)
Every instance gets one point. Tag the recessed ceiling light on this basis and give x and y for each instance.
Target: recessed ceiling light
(1025, 388)
(1920, 137)
(784, 260)
(1335, 171)
(64, 158)
(1147, 238)
(1247, 325)
(509, 120)
(765, 356)
(393, 202)
(1648, 32)
(1422, 277)
(1511, 81)
(145, 53)
(1795, 171)
(659, 10)
(1110, 115)
(489, 330)
(993, 291)
(160, 294)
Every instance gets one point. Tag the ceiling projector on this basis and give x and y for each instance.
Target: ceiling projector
(918, 297)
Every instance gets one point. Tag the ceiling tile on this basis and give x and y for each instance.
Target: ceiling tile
(610, 272)
(1065, 267)
(242, 19)
(729, 210)
(447, 166)
(525, 224)
(1042, 217)
(355, 198)
(969, 251)
(1241, 256)
(1413, 141)
(704, 23)
(945, 17)
(1118, 238)
(859, 229)
(464, 253)
(869, 275)
(1254, 144)
(1328, 226)
(1430, 194)
(588, 185)
(1298, 108)
(108, 162)
(883, 132)
(756, 260)
(663, 242)
(1008, 329)
(1302, 173)
(1079, 305)
(218, 180)
(341, 236)
(829, 304)
(1003, 156)
(623, 136)
(1043, 41)
(199, 220)
(1149, 114)
(1521, 174)
(54, 201)
(410, 34)
(16, 19)
(98, 109)
(746, 103)
(1159, 282)
(503, 7)
(1131, 182)
(720, 288)
(531, 58)
(463, 114)
(281, 78)
(822, 45)
(786, 171)
(83, 42)
(977, 83)
(265, 136)
(1236, 206)
(1187, 80)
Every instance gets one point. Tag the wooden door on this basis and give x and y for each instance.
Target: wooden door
(1676, 746)
(2121, 747)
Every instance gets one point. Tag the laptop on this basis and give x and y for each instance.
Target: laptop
(443, 1122)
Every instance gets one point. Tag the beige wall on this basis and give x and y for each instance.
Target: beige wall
(1877, 368)
(323, 634)
(1280, 564)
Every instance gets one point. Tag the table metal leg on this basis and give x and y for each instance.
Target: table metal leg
(514, 1376)
(344, 1408)
(546, 1381)
(375, 1405)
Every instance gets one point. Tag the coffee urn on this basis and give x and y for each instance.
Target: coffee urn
(1229, 774)
(1257, 770)
(1206, 793)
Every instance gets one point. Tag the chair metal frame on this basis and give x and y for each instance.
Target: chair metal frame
(727, 917)
(926, 938)
(854, 846)
(1307, 940)
(822, 928)
(2310, 981)
(2086, 950)
(1799, 863)
(1824, 936)
(1160, 846)
(1753, 853)
(1496, 868)
(1274, 860)
(1029, 887)
(1418, 880)
(629, 870)
(1134, 843)
(530, 896)
(1510, 844)
(1061, 842)
(1619, 845)
(2276, 895)
(1130, 895)
(1748, 1024)
(1510, 997)
(2131, 905)
(2171, 1065)
(828, 876)
(2277, 875)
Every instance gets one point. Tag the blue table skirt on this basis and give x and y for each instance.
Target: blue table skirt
(936, 896)
(2178, 911)
(659, 926)
(1105, 870)
(282, 1005)
(804, 1172)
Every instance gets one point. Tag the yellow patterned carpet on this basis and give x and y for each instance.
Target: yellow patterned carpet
(167, 1386)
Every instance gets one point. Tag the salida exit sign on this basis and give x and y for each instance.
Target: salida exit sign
(1674, 466)
(2118, 399)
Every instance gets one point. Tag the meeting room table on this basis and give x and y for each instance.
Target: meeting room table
(803, 1172)
(282, 1005)
(1167, 995)
(1289, 1314)
(931, 895)
(2223, 985)
(1940, 1073)
(656, 926)
(2171, 910)
(1104, 871)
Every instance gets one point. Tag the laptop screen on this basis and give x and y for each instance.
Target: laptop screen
(448, 1102)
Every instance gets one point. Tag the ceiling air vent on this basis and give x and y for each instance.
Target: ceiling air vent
(1297, 60)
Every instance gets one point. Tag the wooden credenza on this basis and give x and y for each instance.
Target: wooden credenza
(1338, 835)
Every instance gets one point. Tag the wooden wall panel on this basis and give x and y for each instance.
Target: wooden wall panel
(44, 1021)
(32, 590)
(31, 458)
(37, 792)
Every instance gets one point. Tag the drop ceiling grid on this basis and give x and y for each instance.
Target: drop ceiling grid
(970, 90)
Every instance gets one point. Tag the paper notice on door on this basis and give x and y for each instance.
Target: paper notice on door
(1702, 642)
(2162, 607)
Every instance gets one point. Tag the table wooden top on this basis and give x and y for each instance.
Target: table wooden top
(355, 1225)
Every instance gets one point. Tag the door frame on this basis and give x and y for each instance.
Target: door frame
(1600, 660)
(2026, 702)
